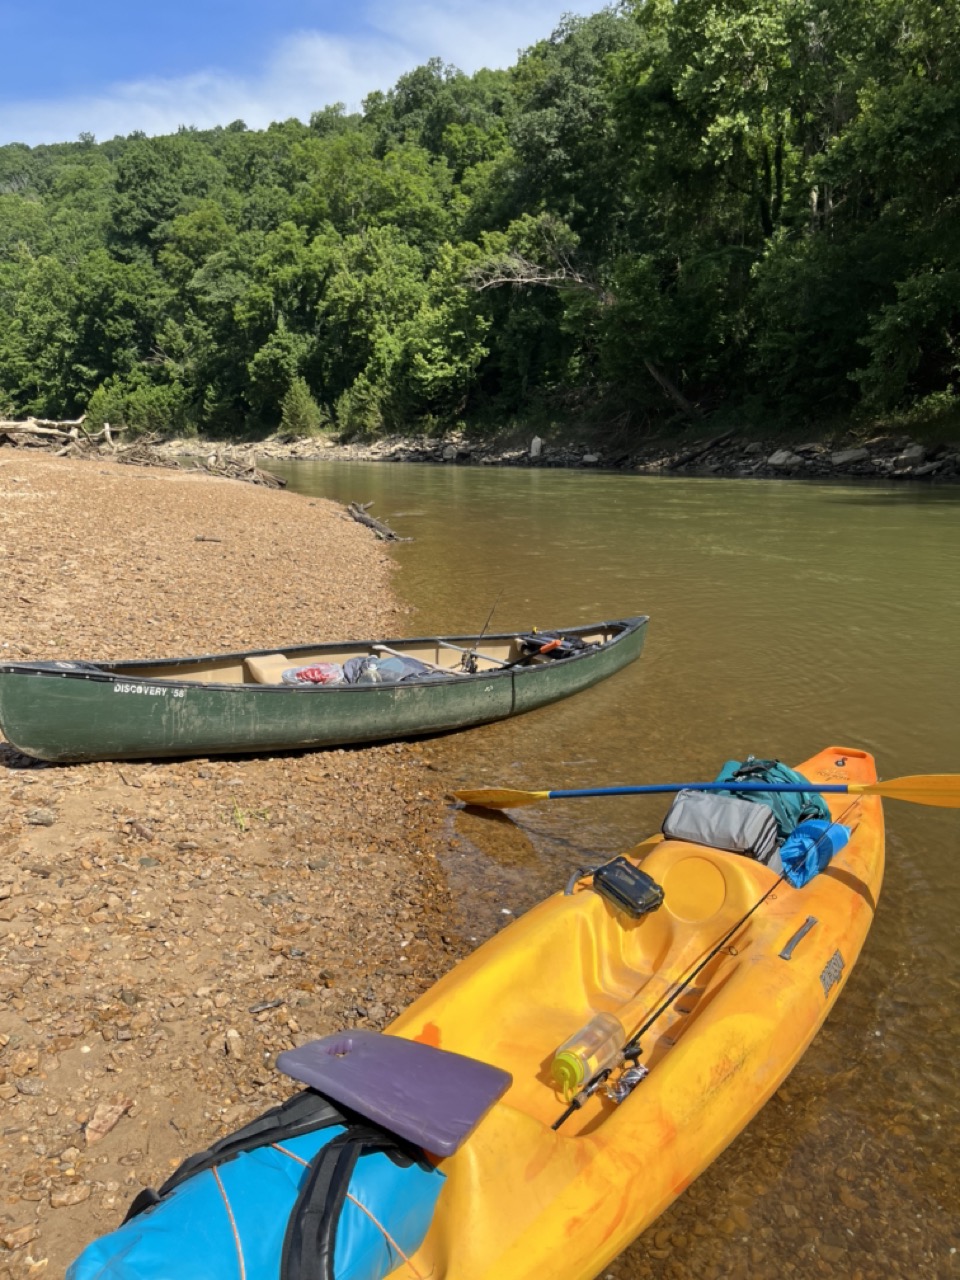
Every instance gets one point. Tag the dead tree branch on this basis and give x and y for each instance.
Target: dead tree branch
(515, 270)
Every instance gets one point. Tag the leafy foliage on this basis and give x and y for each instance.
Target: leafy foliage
(300, 415)
(670, 207)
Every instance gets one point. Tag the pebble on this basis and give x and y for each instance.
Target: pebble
(20, 1236)
(40, 817)
(127, 972)
(76, 1193)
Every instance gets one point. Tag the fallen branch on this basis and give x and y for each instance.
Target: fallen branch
(47, 431)
(359, 513)
(682, 459)
(219, 464)
(70, 439)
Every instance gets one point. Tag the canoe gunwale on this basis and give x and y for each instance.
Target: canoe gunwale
(72, 716)
(111, 672)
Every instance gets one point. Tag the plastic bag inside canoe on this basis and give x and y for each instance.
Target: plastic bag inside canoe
(809, 848)
(390, 670)
(318, 673)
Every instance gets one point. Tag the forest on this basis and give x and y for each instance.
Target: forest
(672, 211)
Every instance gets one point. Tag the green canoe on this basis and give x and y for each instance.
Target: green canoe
(237, 702)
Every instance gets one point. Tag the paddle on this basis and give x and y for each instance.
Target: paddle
(941, 789)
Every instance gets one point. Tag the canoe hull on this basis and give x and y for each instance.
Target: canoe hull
(525, 1201)
(67, 717)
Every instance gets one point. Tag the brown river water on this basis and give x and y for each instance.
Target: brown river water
(785, 617)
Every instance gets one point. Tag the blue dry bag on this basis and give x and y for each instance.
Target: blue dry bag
(302, 1193)
(809, 848)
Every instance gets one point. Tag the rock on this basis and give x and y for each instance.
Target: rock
(831, 1253)
(851, 1201)
(449, 453)
(912, 455)
(928, 469)
(846, 457)
(754, 447)
(784, 460)
(536, 447)
(19, 1236)
(74, 1193)
(105, 1117)
(590, 459)
(40, 817)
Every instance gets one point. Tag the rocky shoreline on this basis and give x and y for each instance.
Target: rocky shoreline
(881, 457)
(168, 928)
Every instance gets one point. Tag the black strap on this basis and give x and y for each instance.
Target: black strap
(755, 768)
(311, 1236)
(310, 1241)
(303, 1113)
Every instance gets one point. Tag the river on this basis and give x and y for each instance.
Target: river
(785, 617)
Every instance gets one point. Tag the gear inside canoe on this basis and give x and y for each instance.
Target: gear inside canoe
(303, 695)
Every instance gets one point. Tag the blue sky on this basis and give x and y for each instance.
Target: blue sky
(108, 67)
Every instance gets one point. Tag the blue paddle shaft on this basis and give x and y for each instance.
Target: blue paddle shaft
(658, 787)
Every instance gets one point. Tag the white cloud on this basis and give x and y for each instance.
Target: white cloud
(304, 72)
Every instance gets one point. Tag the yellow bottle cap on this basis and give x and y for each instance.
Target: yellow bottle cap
(568, 1072)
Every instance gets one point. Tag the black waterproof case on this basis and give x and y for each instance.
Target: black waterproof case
(627, 887)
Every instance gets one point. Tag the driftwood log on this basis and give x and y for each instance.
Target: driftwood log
(71, 438)
(683, 459)
(358, 510)
(65, 437)
(219, 463)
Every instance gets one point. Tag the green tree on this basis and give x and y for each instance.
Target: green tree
(300, 414)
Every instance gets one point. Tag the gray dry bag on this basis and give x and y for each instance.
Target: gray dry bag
(724, 822)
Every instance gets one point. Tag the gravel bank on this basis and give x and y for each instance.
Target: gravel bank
(165, 930)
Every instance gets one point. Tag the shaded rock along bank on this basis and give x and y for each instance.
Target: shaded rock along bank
(887, 457)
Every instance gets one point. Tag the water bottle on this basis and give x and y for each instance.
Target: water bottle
(592, 1049)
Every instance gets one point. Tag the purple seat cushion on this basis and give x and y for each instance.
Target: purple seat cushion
(429, 1096)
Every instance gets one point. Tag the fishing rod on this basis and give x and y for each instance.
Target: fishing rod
(631, 1049)
(469, 660)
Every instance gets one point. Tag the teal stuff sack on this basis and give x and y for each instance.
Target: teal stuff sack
(302, 1193)
(809, 849)
(790, 808)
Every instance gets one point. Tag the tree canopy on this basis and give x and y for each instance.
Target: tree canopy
(669, 209)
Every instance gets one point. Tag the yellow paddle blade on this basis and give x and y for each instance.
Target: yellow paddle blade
(500, 798)
(941, 789)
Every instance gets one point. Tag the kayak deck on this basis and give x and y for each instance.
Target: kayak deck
(523, 1199)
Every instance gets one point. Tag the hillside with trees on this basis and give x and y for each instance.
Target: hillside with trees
(673, 210)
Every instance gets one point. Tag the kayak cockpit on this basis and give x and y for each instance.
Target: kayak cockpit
(599, 961)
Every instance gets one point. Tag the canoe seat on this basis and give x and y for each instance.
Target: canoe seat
(266, 668)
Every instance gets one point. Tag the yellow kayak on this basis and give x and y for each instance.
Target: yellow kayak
(760, 965)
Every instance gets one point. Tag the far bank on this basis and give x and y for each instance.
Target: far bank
(892, 456)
